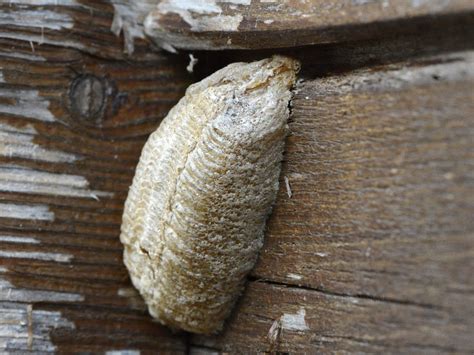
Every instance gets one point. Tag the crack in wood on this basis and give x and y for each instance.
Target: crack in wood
(339, 294)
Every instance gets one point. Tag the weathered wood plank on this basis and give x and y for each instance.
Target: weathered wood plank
(374, 249)
(210, 24)
(385, 159)
(81, 24)
(71, 130)
(372, 252)
(307, 321)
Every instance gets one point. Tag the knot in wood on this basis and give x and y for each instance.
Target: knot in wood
(87, 97)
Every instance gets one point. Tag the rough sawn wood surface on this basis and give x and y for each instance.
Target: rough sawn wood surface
(373, 251)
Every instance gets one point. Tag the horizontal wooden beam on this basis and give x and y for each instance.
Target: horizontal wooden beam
(370, 246)
(253, 24)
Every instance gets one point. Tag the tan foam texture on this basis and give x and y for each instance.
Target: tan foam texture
(204, 187)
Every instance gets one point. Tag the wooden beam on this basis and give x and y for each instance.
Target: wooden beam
(212, 25)
(370, 245)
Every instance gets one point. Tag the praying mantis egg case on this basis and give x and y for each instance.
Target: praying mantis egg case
(205, 184)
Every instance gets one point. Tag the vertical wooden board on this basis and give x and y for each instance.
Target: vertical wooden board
(373, 250)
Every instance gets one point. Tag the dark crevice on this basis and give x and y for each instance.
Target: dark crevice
(205, 348)
(340, 294)
(384, 345)
(398, 41)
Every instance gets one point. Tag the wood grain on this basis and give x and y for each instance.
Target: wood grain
(255, 24)
(81, 24)
(372, 252)
(72, 126)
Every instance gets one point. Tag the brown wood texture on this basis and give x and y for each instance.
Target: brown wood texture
(72, 124)
(210, 24)
(373, 251)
